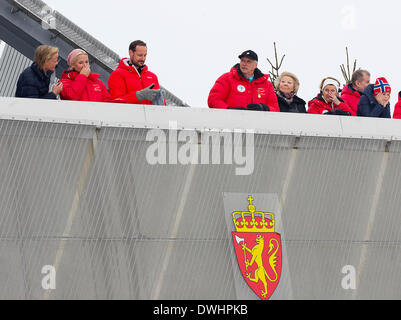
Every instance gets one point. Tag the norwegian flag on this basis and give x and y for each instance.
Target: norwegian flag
(381, 86)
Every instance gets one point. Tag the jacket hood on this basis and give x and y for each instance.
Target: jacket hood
(236, 71)
(124, 64)
(369, 93)
(71, 75)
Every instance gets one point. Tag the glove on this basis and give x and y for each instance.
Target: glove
(147, 94)
(159, 100)
(258, 107)
(339, 112)
(237, 108)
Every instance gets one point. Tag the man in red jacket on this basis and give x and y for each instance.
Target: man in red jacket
(352, 92)
(245, 87)
(132, 81)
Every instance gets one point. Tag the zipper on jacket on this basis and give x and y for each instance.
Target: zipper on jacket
(140, 78)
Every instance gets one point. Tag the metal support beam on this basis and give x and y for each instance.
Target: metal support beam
(25, 34)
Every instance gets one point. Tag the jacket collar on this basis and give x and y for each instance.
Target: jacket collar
(349, 89)
(296, 99)
(125, 64)
(320, 98)
(72, 74)
(40, 73)
(239, 75)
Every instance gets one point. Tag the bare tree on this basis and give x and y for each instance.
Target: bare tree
(346, 71)
(276, 66)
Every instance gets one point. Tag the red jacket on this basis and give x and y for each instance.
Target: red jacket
(78, 87)
(318, 106)
(351, 97)
(125, 81)
(234, 90)
(397, 108)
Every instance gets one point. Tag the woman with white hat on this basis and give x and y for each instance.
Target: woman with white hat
(328, 100)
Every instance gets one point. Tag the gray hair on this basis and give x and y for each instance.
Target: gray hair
(358, 75)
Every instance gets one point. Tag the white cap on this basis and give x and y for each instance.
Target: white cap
(331, 82)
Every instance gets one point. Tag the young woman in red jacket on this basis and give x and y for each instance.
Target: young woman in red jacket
(328, 101)
(80, 84)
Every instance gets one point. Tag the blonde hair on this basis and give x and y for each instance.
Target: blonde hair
(292, 76)
(44, 53)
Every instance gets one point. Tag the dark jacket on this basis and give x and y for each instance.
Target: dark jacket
(296, 106)
(34, 83)
(369, 107)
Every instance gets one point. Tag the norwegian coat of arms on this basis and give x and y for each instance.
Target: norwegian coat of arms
(258, 250)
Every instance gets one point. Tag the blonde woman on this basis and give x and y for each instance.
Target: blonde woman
(80, 84)
(34, 82)
(287, 86)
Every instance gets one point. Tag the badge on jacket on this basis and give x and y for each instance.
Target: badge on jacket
(261, 92)
(241, 88)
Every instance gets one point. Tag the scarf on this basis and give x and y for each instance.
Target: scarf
(288, 97)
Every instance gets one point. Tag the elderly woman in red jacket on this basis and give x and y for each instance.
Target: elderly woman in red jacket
(80, 84)
(328, 100)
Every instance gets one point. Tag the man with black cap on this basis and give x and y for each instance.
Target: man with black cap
(245, 87)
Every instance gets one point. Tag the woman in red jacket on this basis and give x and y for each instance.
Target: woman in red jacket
(80, 84)
(328, 101)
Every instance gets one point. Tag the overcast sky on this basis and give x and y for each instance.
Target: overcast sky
(192, 43)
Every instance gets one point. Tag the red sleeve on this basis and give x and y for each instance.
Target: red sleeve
(272, 101)
(118, 88)
(219, 93)
(397, 111)
(73, 89)
(348, 100)
(107, 96)
(314, 107)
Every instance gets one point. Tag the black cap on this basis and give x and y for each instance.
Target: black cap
(249, 54)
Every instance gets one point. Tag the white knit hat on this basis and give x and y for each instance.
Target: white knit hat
(331, 82)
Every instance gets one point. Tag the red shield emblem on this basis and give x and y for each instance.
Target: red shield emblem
(258, 250)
